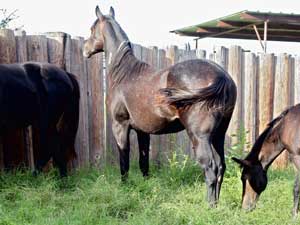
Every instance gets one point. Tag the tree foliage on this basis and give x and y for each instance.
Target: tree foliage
(7, 17)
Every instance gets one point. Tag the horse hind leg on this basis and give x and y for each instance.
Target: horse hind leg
(200, 126)
(218, 141)
(44, 154)
(59, 156)
(144, 143)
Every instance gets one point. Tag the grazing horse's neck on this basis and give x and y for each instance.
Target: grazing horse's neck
(266, 148)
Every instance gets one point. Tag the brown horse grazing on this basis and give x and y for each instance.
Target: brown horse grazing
(282, 133)
(196, 95)
(47, 98)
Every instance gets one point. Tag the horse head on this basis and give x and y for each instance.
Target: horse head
(106, 34)
(254, 179)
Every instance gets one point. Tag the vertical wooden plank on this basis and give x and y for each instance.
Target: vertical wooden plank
(201, 54)
(235, 69)
(7, 46)
(221, 56)
(282, 97)
(78, 68)
(37, 48)
(21, 47)
(297, 80)
(250, 103)
(266, 89)
(96, 110)
(57, 49)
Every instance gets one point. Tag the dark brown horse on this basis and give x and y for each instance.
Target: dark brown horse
(282, 133)
(196, 95)
(46, 97)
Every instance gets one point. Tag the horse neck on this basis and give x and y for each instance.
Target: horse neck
(124, 64)
(120, 59)
(269, 148)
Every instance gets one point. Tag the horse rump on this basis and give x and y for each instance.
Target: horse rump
(213, 97)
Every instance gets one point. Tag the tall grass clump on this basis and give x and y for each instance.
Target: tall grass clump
(175, 193)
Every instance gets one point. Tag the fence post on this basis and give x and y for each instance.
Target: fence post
(59, 49)
(282, 97)
(266, 89)
(200, 54)
(297, 80)
(78, 68)
(235, 69)
(221, 56)
(21, 47)
(37, 49)
(250, 103)
(96, 109)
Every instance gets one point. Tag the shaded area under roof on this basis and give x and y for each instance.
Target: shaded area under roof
(242, 25)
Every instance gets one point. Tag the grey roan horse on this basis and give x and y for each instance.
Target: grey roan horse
(196, 95)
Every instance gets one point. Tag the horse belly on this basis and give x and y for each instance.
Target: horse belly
(153, 122)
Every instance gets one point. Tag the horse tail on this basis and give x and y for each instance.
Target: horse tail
(214, 96)
(68, 124)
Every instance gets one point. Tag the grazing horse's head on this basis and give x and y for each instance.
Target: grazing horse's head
(106, 34)
(254, 179)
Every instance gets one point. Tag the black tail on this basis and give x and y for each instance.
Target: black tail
(68, 124)
(214, 96)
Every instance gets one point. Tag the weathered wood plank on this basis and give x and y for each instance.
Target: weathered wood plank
(235, 69)
(201, 54)
(250, 103)
(37, 48)
(282, 97)
(297, 80)
(96, 110)
(266, 89)
(221, 56)
(58, 51)
(78, 68)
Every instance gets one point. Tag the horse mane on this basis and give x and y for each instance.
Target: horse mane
(125, 64)
(265, 134)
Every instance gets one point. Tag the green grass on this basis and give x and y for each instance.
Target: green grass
(174, 194)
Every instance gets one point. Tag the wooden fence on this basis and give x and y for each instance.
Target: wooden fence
(266, 83)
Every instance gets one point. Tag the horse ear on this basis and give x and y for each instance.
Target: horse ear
(98, 13)
(112, 12)
(242, 162)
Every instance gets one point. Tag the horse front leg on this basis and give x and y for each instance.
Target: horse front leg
(144, 143)
(121, 135)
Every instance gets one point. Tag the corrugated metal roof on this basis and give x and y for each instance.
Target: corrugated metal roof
(281, 26)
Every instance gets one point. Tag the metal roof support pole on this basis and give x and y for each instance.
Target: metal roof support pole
(258, 36)
(265, 35)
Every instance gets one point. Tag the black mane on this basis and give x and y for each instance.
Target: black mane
(264, 135)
